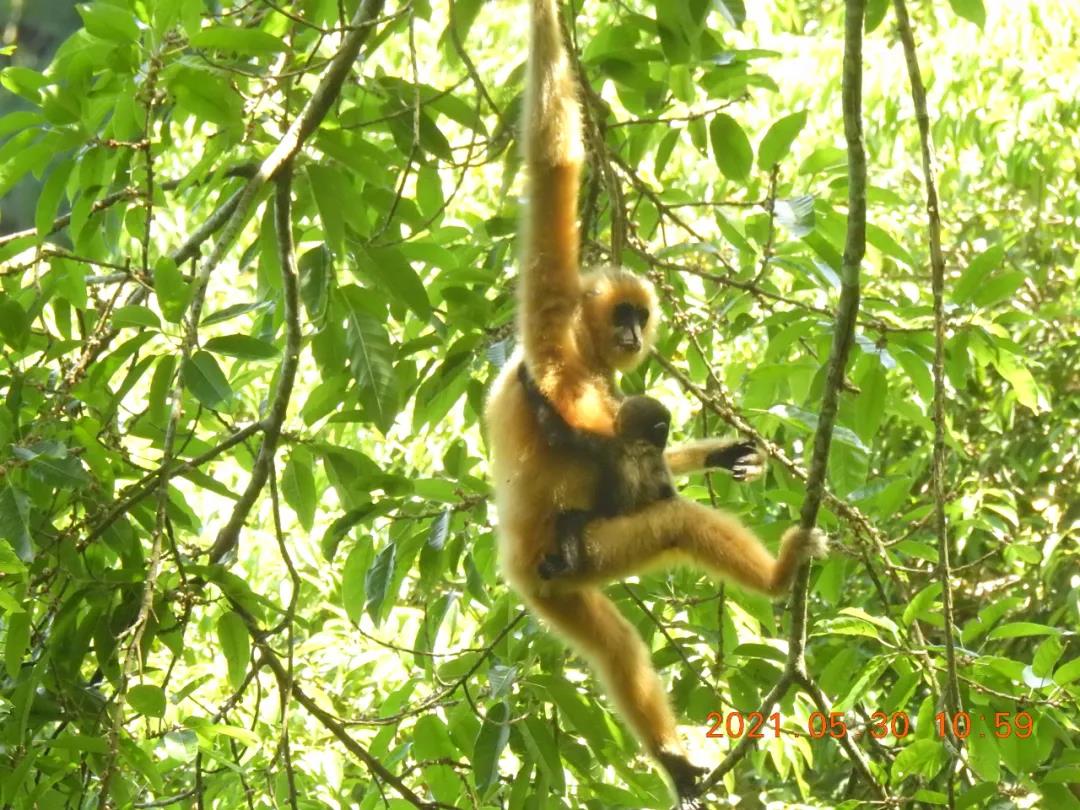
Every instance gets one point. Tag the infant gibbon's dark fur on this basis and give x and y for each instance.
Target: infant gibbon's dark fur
(632, 470)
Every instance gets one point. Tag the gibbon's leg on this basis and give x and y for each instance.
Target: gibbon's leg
(742, 457)
(677, 529)
(593, 625)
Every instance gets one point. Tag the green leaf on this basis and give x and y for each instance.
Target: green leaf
(49, 198)
(975, 796)
(298, 487)
(542, 743)
(24, 81)
(731, 147)
(141, 762)
(236, 644)
(160, 388)
(1021, 380)
(231, 311)
(974, 277)
(1046, 656)
(328, 186)
(173, 293)
(16, 641)
(377, 581)
(15, 520)
(734, 11)
(63, 473)
(147, 699)
(972, 10)
(776, 144)
(354, 579)
(490, 742)
(208, 97)
(109, 22)
(243, 347)
(431, 740)
(998, 289)
(135, 315)
(982, 749)
(230, 39)
(921, 602)
(923, 758)
(875, 13)
(1067, 672)
(371, 360)
(14, 324)
(1021, 630)
(205, 380)
(316, 268)
(391, 269)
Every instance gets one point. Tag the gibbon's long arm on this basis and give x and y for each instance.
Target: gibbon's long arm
(742, 457)
(551, 283)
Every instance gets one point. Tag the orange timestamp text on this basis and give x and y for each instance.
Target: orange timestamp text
(757, 725)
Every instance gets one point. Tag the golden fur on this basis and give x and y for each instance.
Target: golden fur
(565, 328)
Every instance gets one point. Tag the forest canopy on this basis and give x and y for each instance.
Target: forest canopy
(258, 268)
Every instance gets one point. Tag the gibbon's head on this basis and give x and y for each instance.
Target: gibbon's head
(619, 317)
(643, 419)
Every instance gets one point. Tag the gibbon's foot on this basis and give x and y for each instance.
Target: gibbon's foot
(814, 544)
(683, 774)
(744, 460)
(554, 566)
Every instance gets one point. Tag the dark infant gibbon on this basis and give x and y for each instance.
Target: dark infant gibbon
(632, 471)
(575, 330)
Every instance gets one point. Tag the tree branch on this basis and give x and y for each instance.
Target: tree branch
(843, 337)
(937, 283)
(230, 533)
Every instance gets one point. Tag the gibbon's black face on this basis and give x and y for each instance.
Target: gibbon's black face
(643, 419)
(629, 322)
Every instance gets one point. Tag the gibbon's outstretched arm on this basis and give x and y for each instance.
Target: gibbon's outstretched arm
(742, 457)
(554, 151)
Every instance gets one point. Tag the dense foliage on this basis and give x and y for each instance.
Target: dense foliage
(305, 608)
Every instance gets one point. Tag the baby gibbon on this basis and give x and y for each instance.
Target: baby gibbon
(575, 331)
(632, 472)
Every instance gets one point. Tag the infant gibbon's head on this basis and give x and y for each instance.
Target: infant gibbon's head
(643, 419)
(618, 318)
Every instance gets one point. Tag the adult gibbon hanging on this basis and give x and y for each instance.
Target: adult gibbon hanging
(575, 331)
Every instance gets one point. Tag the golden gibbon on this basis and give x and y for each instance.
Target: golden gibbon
(575, 330)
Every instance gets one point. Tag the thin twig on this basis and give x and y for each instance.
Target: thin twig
(937, 283)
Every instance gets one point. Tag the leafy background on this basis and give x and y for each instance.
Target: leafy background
(354, 646)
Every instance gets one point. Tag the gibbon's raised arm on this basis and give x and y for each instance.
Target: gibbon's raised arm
(550, 288)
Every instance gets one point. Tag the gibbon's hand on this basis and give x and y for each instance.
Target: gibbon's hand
(744, 459)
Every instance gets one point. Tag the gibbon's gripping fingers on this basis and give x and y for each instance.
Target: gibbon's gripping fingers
(715, 453)
(595, 628)
(743, 458)
(677, 530)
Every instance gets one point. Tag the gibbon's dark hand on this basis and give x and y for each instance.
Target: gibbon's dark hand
(743, 459)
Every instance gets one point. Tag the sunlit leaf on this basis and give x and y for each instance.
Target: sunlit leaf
(205, 380)
(236, 645)
(731, 148)
(776, 144)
